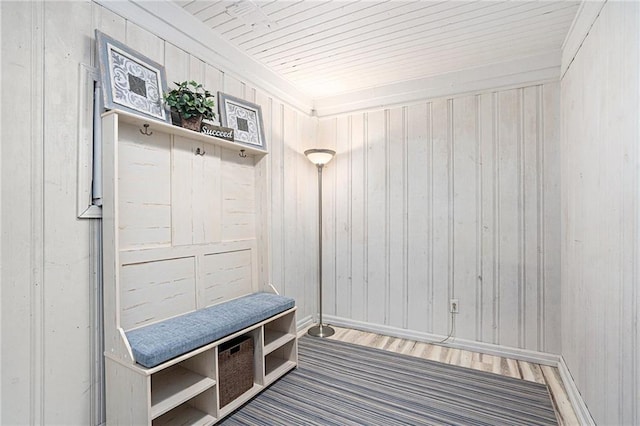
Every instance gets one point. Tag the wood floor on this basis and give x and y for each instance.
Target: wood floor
(504, 366)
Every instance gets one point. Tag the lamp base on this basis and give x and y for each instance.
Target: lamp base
(321, 330)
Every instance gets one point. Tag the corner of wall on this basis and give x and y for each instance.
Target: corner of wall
(579, 407)
(580, 27)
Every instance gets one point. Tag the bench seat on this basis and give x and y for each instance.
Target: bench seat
(159, 342)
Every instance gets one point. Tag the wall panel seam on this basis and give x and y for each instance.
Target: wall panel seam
(335, 223)
(451, 205)
(37, 246)
(540, 175)
(387, 217)
(365, 181)
(522, 236)
(282, 201)
(405, 217)
(350, 212)
(479, 214)
(635, 288)
(430, 210)
(496, 218)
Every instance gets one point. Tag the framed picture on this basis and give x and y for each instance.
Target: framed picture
(245, 118)
(131, 81)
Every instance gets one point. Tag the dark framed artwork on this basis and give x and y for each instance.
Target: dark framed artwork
(245, 118)
(131, 81)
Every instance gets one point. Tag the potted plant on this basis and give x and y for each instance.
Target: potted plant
(192, 103)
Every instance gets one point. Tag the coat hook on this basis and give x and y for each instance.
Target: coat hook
(242, 154)
(146, 130)
(199, 152)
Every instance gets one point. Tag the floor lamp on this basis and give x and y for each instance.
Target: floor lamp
(320, 157)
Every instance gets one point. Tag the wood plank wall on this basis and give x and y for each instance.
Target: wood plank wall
(421, 200)
(22, 221)
(47, 253)
(282, 198)
(600, 158)
(452, 198)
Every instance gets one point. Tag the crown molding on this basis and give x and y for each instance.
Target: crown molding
(175, 25)
(586, 16)
(514, 73)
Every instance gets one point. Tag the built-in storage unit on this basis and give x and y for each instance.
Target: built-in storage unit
(186, 390)
(179, 234)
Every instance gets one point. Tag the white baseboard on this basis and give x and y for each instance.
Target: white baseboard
(303, 324)
(455, 342)
(553, 360)
(579, 407)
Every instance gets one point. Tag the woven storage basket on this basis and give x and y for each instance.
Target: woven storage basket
(235, 368)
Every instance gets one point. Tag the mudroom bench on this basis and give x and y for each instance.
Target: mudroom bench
(176, 375)
(154, 344)
(192, 329)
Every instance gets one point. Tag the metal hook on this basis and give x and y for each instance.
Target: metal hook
(146, 130)
(198, 152)
(242, 154)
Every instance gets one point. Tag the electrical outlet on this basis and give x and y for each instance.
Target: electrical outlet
(453, 306)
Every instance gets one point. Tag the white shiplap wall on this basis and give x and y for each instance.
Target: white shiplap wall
(449, 190)
(21, 214)
(451, 198)
(47, 253)
(600, 159)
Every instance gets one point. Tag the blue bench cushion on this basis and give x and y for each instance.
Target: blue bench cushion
(156, 343)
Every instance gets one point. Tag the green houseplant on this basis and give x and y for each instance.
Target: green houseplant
(192, 103)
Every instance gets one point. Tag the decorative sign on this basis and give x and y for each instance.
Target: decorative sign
(209, 129)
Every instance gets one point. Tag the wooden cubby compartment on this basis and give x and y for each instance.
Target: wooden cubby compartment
(181, 382)
(280, 361)
(195, 411)
(280, 347)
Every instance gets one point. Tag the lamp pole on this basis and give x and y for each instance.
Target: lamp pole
(320, 157)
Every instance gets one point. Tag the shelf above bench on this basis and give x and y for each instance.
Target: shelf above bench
(163, 127)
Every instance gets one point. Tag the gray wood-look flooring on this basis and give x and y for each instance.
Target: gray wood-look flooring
(504, 366)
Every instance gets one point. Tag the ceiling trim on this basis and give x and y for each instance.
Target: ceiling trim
(586, 16)
(175, 25)
(523, 71)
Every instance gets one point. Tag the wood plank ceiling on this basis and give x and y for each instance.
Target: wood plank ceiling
(333, 47)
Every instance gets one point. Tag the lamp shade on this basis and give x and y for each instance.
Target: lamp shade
(319, 157)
